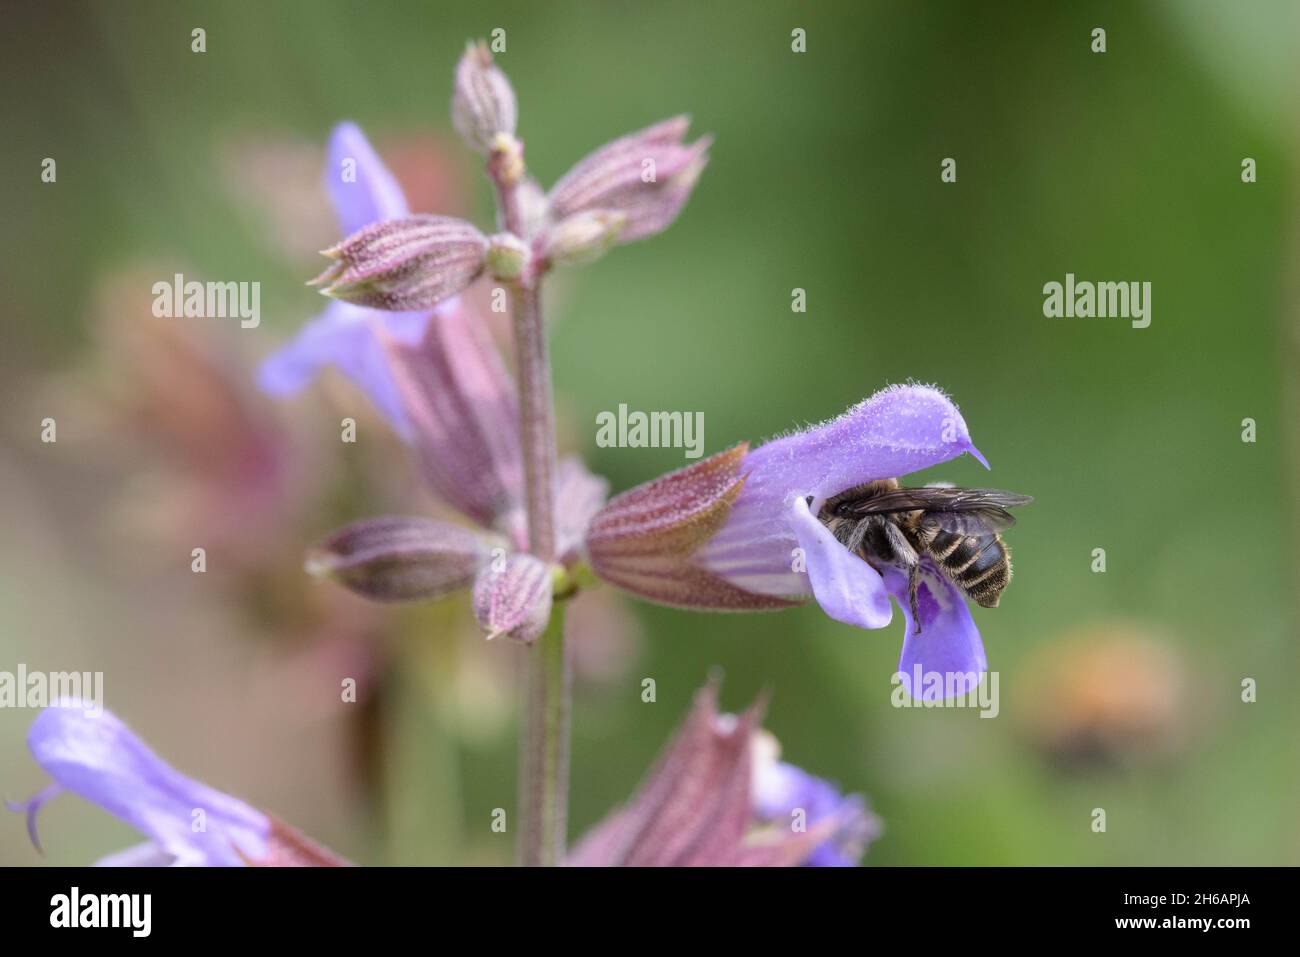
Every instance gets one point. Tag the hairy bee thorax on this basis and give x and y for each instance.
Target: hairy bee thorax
(857, 493)
(854, 533)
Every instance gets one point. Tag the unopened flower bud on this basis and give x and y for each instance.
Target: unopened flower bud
(400, 559)
(507, 256)
(405, 264)
(583, 237)
(647, 176)
(513, 598)
(482, 102)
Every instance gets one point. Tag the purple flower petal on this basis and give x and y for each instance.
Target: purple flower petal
(847, 588)
(31, 808)
(343, 336)
(361, 188)
(949, 645)
(96, 756)
(780, 789)
(137, 855)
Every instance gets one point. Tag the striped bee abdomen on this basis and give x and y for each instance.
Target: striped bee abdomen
(978, 565)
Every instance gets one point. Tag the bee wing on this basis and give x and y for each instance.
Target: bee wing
(963, 511)
(976, 522)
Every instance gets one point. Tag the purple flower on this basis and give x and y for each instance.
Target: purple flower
(344, 335)
(710, 801)
(740, 531)
(94, 755)
(788, 796)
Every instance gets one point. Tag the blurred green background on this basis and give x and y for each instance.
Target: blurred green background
(824, 176)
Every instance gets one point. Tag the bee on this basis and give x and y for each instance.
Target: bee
(956, 528)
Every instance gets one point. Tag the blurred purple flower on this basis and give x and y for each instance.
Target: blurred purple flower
(704, 804)
(791, 797)
(739, 531)
(344, 335)
(94, 755)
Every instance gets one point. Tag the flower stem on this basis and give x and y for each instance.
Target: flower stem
(544, 765)
(545, 761)
(544, 754)
(537, 419)
(543, 778)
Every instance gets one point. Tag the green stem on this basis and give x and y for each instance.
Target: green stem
(545, 778)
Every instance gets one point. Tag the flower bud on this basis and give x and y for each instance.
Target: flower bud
(583, 237)
(507, 256)
(482, 102)
(405, 264)
(647, 176)
(400, 559)
(514, 598)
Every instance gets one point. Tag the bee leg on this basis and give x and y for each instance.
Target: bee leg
(906, 556)
(914, 583)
